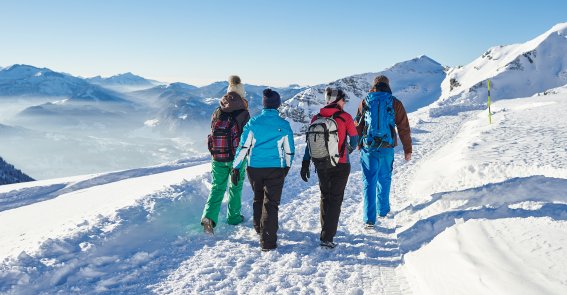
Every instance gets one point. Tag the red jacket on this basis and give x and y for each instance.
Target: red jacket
(345, 127)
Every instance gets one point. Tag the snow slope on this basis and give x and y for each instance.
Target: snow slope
(516, 70)
(494, 224)
(493, 219)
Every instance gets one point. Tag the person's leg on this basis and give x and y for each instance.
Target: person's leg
(257, 182)
(386, 157)
(273, 186)
(325, 188)
(220, 173)
(235, 198)
(369, 163)
(338, 181)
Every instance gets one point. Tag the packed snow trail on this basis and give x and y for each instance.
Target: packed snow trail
(366, 261)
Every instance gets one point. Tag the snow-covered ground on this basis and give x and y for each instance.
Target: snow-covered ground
(480, 209)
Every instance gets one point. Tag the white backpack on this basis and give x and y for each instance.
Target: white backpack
(322, 138)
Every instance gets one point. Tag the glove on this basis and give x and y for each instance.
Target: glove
(305, 174)
(235, 176)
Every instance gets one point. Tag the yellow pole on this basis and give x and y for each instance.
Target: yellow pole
(489, 112)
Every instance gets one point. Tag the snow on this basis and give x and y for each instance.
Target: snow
(480, 209)
(516, 70)
(497, 228)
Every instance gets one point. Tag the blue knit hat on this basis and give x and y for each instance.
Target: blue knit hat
(271, 99)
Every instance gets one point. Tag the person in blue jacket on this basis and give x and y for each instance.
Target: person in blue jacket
(267, 144)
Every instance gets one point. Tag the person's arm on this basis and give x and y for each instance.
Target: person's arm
(289, 145)
(246, 143)
(403, 126)
(352, 133)
(359, 119)
(307, 154)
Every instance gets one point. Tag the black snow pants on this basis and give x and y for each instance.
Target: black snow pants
(267, 184)
(332, 183)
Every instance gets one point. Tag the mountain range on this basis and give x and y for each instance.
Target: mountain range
(416, 82)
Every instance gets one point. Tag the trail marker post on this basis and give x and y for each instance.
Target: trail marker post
(489, 112)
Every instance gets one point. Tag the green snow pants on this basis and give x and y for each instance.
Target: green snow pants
(221, 176)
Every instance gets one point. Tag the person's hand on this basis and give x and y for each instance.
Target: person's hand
(305, 173)
(350, 149)
(407, 156)
(235, 176)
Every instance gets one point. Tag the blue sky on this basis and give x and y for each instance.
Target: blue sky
(266, 42)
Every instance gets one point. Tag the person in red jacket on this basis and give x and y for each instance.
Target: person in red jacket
(333, 180)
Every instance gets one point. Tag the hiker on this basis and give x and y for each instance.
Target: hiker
(227, 124)
(267, 144)
(376, 118)
(327, 147)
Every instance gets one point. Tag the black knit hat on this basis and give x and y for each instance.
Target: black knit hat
(271, 99)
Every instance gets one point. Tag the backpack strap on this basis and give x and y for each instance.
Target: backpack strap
(337, 115)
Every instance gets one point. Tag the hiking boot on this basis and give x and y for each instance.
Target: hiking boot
(389, 215)
(328, 244)
(268, 249)
(208, 226)
(242, 219)
(369, 225)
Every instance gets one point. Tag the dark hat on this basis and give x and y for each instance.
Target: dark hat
(271, 99)
(334, 95)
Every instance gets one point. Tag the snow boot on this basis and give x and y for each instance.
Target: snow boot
(268, 249)
(369, 225)
(328, 244)
(208, 226)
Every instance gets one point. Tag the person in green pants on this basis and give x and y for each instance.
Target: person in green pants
(227, 123)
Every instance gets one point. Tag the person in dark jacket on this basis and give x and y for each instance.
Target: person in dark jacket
(267, 143)
(377, 161)
(227, 124)
(333, 181)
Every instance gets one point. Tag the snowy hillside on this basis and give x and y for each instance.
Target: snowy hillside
(415, 82)
(124, 82)
(9, 174)
(480, 209)
(515, 70)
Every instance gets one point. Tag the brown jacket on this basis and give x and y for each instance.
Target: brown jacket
(402, 124)
(232, 102)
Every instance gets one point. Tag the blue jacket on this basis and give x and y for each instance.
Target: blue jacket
(267, 141)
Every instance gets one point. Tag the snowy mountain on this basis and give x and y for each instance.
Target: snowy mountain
(179, 105)
(124, 82)
(514, 70)
(9, 174)
(72, 101)
(24, 80)
(415, 82)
